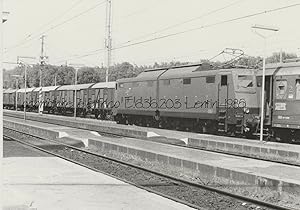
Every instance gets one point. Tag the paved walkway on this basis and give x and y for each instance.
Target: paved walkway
(246, 165)
(47, 183)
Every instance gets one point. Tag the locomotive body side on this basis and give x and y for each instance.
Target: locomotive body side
(188, 98)
(135, 97)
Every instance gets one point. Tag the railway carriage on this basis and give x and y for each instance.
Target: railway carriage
(65, 98)
(191, 97)
(282, 100)
(9, 98)
(93, 98)
(101, 99)
(34, 104)
(29, 98)
(49, 95)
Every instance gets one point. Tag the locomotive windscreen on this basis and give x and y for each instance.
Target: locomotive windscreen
(245, 83)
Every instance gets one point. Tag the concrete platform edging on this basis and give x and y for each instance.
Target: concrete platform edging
(263, 152)
(130, 132)
(42, 133)
(32, 130)
(231, 176)
(215, 143)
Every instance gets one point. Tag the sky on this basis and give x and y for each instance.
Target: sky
(75, 29)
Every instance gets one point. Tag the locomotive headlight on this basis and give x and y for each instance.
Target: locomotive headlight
(246, 110)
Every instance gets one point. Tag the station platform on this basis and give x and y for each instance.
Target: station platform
(251, 148)
(229, 170)
(33, 181)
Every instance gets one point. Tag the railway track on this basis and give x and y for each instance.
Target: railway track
(190, 193)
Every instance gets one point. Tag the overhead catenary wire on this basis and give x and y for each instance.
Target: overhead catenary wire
(189, 20)
(93, 52)
(138, 11)
(186, 21)
(128, 44)
(55, 26)
(56, 18)
(206, 26)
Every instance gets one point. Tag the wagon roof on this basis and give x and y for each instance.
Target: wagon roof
(75, 87)
(49, 88)
(104, 85)
(9, 90)
(22, 90)
(37, 89)
(289, 70)
(283, 69)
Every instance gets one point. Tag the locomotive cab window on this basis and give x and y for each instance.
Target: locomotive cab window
(297, 89)
(281, 89)
(245, 81)
(223, 80)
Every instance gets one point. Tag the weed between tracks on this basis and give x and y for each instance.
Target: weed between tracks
(265, 194)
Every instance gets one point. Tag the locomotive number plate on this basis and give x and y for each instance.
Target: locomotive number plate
(280, 106)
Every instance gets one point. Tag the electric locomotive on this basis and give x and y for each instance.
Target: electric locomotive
(192, 97)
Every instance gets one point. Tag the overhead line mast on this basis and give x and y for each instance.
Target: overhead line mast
(42, 63)
(108, 39)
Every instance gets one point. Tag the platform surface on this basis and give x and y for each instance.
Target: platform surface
(246, 165)
(282, 172)
(51, 183)
(64, 131)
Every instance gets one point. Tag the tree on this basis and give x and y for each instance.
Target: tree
(65, 75)
(249, 61)
(88, 75)
(275, 58)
